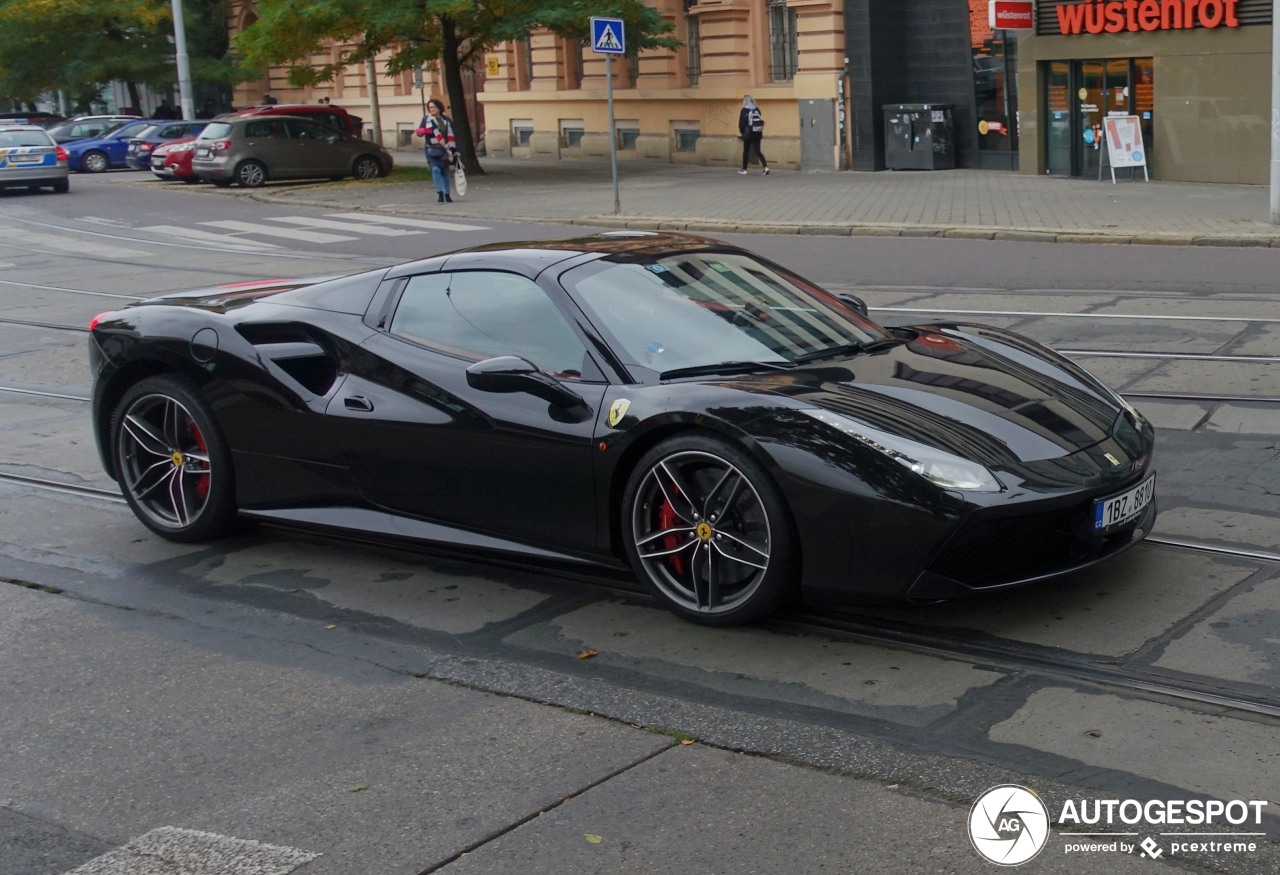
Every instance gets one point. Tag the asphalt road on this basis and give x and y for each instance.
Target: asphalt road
(414, 712)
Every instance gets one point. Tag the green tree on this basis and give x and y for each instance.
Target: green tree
(455, 32)
(78, 47)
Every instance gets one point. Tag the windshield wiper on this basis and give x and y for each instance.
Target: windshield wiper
(725, 368)
(846, 349)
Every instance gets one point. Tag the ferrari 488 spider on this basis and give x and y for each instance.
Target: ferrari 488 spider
(733, 433)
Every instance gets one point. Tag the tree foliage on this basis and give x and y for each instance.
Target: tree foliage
(79, 47)
(456, 33)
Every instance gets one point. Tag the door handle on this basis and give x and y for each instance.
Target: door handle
(358, 402)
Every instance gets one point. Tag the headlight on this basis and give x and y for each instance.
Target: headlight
(937, 466)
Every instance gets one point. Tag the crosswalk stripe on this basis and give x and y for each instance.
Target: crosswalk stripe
(199, 236)
(290, 233)
(192, 852)
(67, 242)
(346, 226)
(409, 223)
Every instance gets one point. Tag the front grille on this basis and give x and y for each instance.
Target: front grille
(999, 551)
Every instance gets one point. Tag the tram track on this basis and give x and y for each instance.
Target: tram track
(863, 628)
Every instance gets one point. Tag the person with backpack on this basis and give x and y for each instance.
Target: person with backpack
(441, 147)
(751, 127)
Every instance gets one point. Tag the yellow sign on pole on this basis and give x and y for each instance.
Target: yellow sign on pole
(492, 64)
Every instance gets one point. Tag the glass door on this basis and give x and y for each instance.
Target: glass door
(1059, 138)
(1090, 109)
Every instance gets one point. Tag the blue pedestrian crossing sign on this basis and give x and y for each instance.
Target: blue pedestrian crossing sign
(608, 36)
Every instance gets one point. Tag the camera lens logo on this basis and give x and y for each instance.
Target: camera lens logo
(1008, 825)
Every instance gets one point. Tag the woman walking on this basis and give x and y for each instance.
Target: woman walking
(441, 148)
(751, 127)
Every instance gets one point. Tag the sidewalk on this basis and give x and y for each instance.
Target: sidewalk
(980, 204)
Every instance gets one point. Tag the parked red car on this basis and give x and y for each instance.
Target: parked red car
(331, 116)
(172, 160)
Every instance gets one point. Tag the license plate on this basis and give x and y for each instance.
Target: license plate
(26, 159)
(202, 152)
(1111, 513)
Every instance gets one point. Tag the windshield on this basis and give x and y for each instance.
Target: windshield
(701, 309)
(129, 129)
(215, 131)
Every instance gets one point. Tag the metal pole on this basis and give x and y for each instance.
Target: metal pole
(613, 133)
(1275, 112)
(184, 64)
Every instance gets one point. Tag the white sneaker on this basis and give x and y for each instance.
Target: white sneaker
(766, 172)
(742, 173)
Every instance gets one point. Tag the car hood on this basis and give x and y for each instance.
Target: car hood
(986, 394)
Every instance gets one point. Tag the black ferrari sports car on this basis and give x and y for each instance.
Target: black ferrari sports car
(732, 432)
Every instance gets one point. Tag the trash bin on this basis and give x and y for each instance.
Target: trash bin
(919, 136)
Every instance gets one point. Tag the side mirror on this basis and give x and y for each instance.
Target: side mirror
(511, 373)
(853, 302)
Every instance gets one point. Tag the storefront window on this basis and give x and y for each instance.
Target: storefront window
(994, 83)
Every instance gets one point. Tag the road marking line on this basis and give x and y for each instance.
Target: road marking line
(346, 226)
(191, 852)
(290, 233)
(63, 243)
(409, 223)
(208, 237)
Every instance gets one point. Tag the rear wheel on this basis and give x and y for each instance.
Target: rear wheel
(94, 162)
(172, 462)
(366, 167)
(61, 187)
(707, 531)
(251, 174)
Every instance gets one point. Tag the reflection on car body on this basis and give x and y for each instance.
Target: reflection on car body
(734, 434)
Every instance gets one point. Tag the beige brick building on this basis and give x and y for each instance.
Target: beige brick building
(546, 97)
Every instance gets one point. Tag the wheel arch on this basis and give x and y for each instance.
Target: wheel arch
(110, 393)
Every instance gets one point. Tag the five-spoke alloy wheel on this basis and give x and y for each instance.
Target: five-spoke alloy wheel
(171, 462)
(707, 531)
(366, 167)
(251, 174)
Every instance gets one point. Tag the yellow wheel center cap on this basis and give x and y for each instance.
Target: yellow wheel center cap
(176, 458)
(705, 531)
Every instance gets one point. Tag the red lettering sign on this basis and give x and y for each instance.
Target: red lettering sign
(1118, 16)
(1012, 15)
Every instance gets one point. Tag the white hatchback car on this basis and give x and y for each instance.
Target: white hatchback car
(29, 158)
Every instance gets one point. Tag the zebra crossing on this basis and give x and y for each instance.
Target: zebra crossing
(331, 228)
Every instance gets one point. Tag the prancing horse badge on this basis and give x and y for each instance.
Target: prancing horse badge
(617, 411)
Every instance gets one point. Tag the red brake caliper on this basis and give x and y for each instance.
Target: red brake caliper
(667, 518)
(202, 482)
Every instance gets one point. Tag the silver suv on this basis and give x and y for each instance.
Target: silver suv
(253, 149)
(29, 158)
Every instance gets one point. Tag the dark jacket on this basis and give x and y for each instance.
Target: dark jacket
(750, 123)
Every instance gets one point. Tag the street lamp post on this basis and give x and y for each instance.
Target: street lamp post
(1275, 112)
(184, 64)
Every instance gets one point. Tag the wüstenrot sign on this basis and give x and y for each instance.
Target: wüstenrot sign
(1011, 14)
(1119, 16)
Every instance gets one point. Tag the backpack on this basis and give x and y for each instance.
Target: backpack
(754, 121)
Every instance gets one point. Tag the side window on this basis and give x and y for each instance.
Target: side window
(482, 314)
(257, 129)
(172, 131)
(308, 131)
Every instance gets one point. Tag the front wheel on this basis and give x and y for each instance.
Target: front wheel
(708, 532)
(366, 167)
(94, 162)
(172, 463)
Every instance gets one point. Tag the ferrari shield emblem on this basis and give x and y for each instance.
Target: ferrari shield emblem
(617, 411)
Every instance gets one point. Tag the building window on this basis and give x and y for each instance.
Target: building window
(633, 67)
(693, 40)
(784, 55)
(571, 131)
(626, 133)
(686, 136)
(573, 64)
(521, 132)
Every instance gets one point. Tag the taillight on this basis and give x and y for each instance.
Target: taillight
(62, 154)
(220, 145)
(93, 323)
(145, 147)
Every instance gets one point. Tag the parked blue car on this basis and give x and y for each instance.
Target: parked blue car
(106, 151)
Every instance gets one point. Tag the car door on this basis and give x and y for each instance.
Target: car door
(420, 440)
(321, 151)
(267, 140)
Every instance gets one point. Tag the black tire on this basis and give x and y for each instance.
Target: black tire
(251, 174)
(62, 187)
(94, 161)
(366, 167)
(720, 556)
(172, 463)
